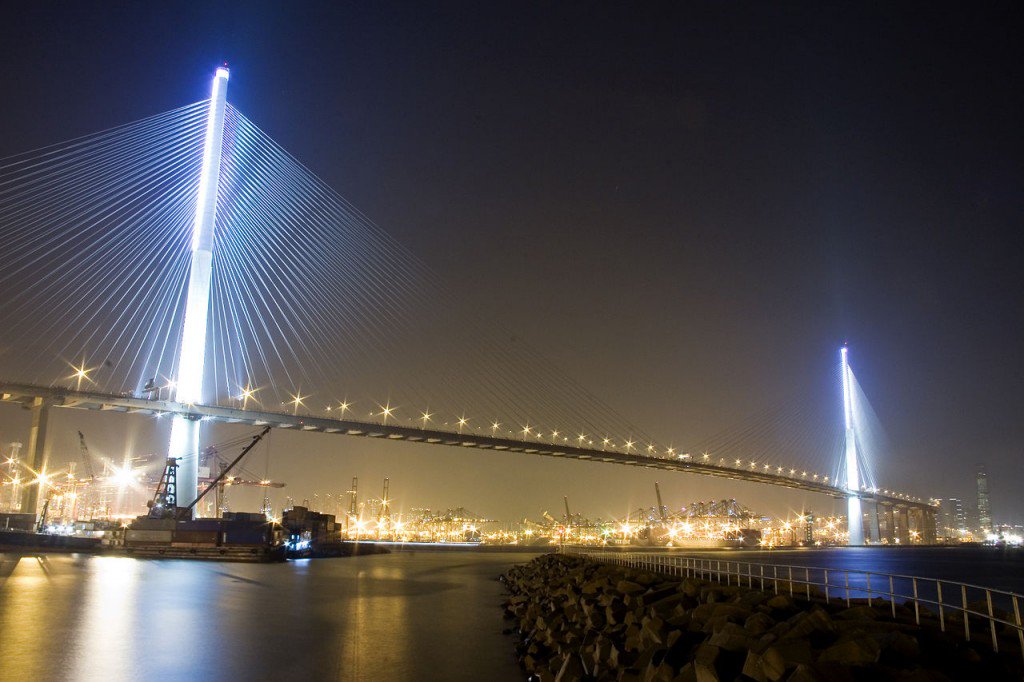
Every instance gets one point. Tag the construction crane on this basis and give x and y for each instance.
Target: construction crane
(661, 505)
(353, 508)
(385, 503)
(165, 501)
(83, 451)
(222, 493)
(568, 516)
(235, 480)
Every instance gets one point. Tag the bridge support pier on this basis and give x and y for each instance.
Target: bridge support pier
(929, 536)
(902, 525)
(874, 528)
(35, 456)
(887, 524)
(854, 520)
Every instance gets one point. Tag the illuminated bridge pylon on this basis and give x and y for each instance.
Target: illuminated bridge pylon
(855, 517)
(184, 443)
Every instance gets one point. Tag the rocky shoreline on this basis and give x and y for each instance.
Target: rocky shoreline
(578, 619)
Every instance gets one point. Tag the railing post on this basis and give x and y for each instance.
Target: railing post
(1020, 630)
(790, 582)
(826, 585)
(892, 597)
(868, 577)
(750, 575)
(807, 582)
(762, 577)
(992, 621)
(775, 573)
(847, 575)
(967, 617)
(917, 606)
(718, 570)
(942, 615)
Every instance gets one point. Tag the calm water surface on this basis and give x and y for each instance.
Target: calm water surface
(403, 616)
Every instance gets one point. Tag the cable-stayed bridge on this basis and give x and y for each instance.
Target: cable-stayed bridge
(187, 265)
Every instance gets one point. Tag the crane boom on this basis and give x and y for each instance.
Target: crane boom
(83, 450)
(661, 505)
(234, 480)
(255, 439)
(568, 516)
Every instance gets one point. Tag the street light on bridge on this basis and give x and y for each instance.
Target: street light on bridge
(81, 373)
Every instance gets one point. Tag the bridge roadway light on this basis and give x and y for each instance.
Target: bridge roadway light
(81, 372)
(247, 394)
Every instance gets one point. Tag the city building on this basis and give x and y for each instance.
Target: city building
(984, 510)
(953, 518)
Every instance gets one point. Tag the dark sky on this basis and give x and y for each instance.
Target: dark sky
(687, 208)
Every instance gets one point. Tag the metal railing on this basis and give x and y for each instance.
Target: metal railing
(954, 601)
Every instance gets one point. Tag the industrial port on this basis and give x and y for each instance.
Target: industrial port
(93, 504)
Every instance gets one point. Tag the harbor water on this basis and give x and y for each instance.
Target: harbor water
(404, 616)
(421, 615)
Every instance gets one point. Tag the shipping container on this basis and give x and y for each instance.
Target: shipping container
(208, 537)
(148, 536)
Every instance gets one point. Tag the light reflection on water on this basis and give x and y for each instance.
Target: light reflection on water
(404, 616)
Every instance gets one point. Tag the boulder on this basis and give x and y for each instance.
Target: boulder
(753, 667)
(571, 669)
(704, 663)
(629, 587)
(853, 651)
(805, 673)
(758, 624)
(858, 613)
(784, 656)
(807, 622)
(731, 637)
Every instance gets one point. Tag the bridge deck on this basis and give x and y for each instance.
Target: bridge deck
(87, 400)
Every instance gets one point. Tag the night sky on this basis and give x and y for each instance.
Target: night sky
(689, 209)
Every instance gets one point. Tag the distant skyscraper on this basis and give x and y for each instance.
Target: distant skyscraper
(953, 517)
(984, 510)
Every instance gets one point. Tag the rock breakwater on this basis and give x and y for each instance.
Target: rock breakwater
(579, 619)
